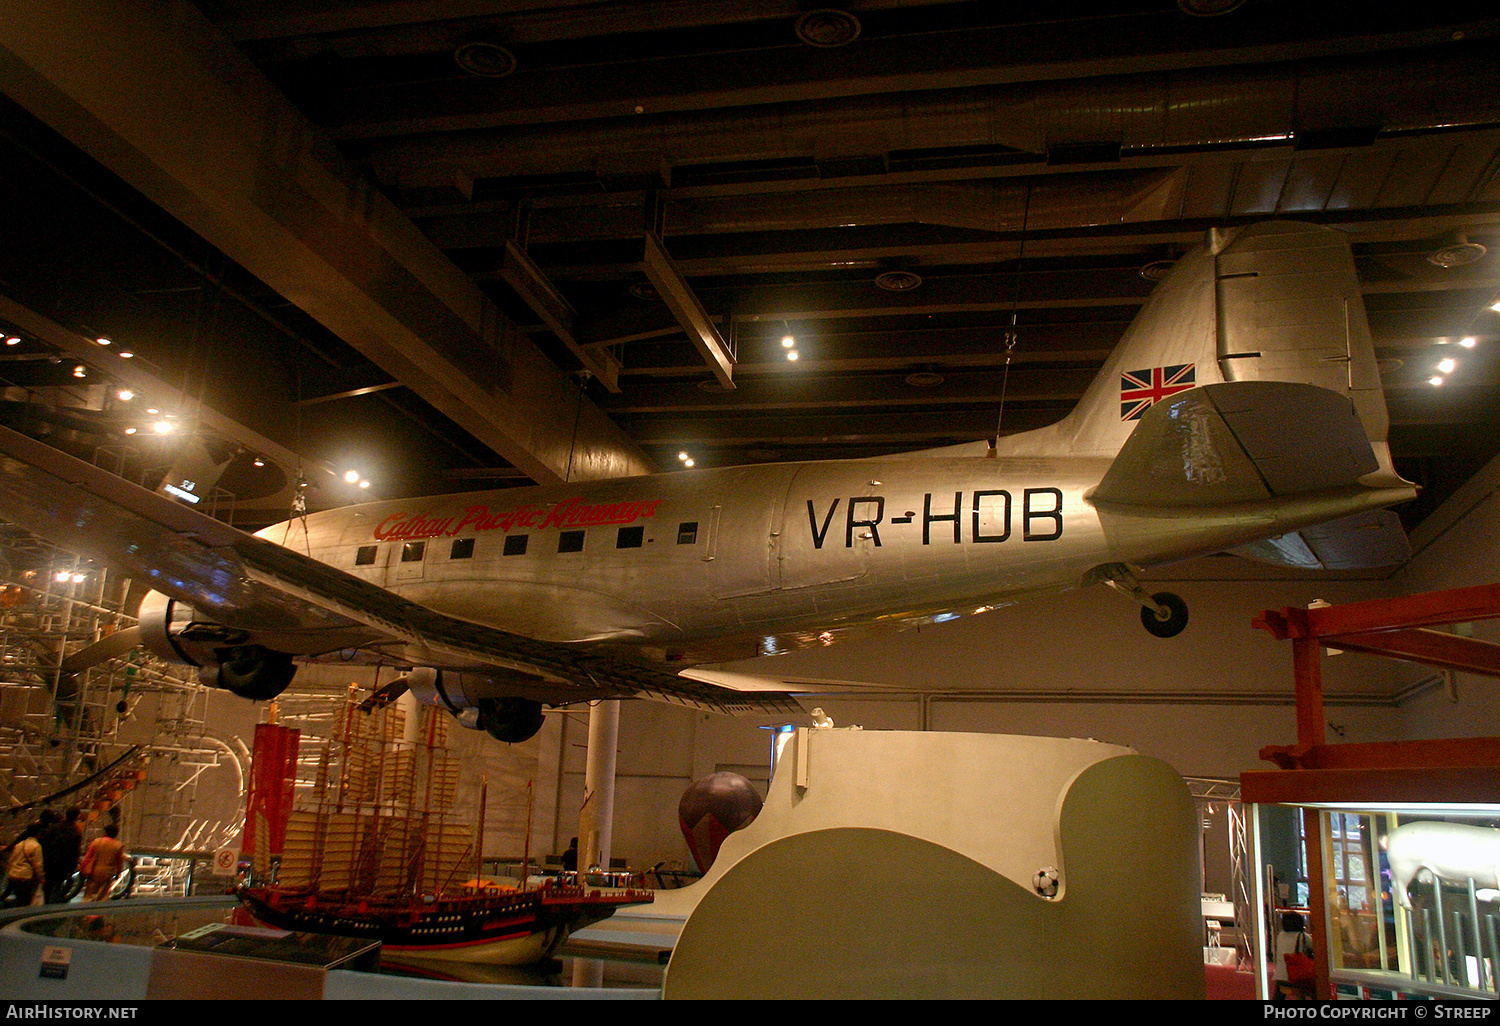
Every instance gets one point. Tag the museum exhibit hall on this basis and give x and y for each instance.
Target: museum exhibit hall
(664, 499)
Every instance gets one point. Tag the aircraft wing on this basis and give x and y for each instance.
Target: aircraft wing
(289, 600)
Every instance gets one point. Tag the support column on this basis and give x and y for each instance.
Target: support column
(596, 820)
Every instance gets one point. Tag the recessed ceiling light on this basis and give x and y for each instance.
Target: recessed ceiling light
(689, 463)
(1456, 251)
(80, 371)
(126, 394)
(130, 431)
(827, 27)
(1468, 342)
(484, 59)
(260, 463)
(1447, 364)
(1435, 380)
(12, 340)
(898, 281)
(126, 354)
(791, 354)
(352, 476)
(104, 341)
(162, 427)
(1156, 270)
(364, 484)
(787, 341)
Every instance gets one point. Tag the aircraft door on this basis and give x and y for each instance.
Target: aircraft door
(408, 561)
(742, 539)
(829, 528)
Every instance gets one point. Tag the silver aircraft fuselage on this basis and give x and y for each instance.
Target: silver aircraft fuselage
(759, 552)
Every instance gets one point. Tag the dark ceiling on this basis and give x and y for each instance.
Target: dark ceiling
(658, 192)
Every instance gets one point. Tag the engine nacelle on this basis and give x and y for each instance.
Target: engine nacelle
(482, 701)
(224, 656)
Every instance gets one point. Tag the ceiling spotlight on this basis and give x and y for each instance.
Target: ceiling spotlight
(689, 463)
(787, 341)
(1468, 341)
(259, 463)
(130, 430)
(364, 484)
(126, 354)
(682, 455)
(791, 354)
(1435, 380)
(61, 576)
(1456, 251)
(80, 371)
(12, 340)
(1447, 364)
(77, 578)
(162, 427)
(104, 341)
(351, 476)
(1495, 307)
(126, 394)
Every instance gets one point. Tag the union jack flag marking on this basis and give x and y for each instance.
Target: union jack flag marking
(1140, 389)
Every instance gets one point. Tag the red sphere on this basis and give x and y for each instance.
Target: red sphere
(713, 808)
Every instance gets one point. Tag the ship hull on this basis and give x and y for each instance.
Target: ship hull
(516, 928)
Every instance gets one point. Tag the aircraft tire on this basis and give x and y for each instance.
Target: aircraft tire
(1173, 624)
(511, 720)
(256, 672)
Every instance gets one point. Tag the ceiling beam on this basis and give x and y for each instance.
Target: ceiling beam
(159, 97)
(531, 284)
(686, 308)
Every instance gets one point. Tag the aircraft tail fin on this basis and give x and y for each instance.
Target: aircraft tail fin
(1272, 302)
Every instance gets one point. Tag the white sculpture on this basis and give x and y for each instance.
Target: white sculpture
(1449, 851)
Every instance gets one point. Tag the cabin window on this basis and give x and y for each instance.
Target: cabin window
(365, 555)
(463, 548)
(687, 534)
(515, 544)
(630, 537)
(412, 552)
(570, 541)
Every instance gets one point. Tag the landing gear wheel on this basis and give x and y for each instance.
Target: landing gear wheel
(1168, 626)
(511, 720)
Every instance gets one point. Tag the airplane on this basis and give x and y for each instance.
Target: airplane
(1241, 411)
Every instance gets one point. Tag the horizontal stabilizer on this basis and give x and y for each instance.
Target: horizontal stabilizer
(1239, 441)
(1360, 542)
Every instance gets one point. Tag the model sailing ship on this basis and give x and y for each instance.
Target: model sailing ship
(377, 853)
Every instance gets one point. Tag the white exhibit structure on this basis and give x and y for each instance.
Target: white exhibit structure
(915, 864)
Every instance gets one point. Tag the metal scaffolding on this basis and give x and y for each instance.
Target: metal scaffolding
(122, 737)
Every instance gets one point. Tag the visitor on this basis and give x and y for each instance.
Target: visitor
(25, 869)
(102, 863)
(62, 843)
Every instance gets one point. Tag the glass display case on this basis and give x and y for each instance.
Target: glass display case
(1411, 906)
